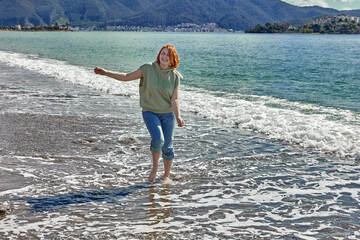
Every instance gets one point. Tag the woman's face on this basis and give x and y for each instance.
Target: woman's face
(164, 57)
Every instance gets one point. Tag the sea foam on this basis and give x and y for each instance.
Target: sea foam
(309, 126)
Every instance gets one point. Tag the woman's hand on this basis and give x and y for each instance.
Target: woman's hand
(180, 122)
(99, 70)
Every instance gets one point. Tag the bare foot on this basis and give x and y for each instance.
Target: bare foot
(152, 176)
(167, 180)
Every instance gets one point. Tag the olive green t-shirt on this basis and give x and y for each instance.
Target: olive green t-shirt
(157, 86)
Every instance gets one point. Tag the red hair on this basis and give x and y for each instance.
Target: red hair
(173, 56)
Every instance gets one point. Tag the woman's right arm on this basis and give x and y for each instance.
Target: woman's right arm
(119, 76)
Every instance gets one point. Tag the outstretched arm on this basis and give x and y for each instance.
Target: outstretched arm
(119, 76)
(175, 104)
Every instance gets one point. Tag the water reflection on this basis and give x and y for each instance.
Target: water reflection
(159, 208)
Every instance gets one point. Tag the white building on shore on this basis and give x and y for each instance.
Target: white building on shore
(336, 19)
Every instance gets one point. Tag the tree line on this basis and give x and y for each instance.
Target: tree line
(56, 27)
(331, 28)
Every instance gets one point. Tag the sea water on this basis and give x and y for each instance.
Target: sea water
(270, 148)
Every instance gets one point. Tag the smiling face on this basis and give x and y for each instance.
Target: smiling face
(164, 58)
(168, 57)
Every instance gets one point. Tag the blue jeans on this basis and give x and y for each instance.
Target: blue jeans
(161, 128)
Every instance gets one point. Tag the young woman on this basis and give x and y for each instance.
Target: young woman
(159, 99)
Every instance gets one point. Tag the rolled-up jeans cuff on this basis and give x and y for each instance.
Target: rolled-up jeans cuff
(168, 157)
(155, 150)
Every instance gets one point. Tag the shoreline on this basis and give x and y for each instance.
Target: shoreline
(2, 30)
(234, 32)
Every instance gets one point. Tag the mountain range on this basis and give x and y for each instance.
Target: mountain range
(234, 14)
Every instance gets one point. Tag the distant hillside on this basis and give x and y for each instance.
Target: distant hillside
(235, 14)
(352, 12)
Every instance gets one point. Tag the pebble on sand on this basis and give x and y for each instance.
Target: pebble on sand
(3, 211)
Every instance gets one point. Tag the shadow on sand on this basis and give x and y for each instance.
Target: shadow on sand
(60, 201)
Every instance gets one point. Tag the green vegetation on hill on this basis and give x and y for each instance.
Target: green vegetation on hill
(340, 24)
(235, 14)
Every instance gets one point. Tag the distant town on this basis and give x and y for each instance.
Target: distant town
(183, 27)
(340, 24)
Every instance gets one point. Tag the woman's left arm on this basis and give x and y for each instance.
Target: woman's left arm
(175, 104)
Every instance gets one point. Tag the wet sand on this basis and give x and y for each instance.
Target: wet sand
(43, 135)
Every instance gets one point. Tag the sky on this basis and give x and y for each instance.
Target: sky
(337, 4)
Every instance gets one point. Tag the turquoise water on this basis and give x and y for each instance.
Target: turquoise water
(270, 149)
(320, 69)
